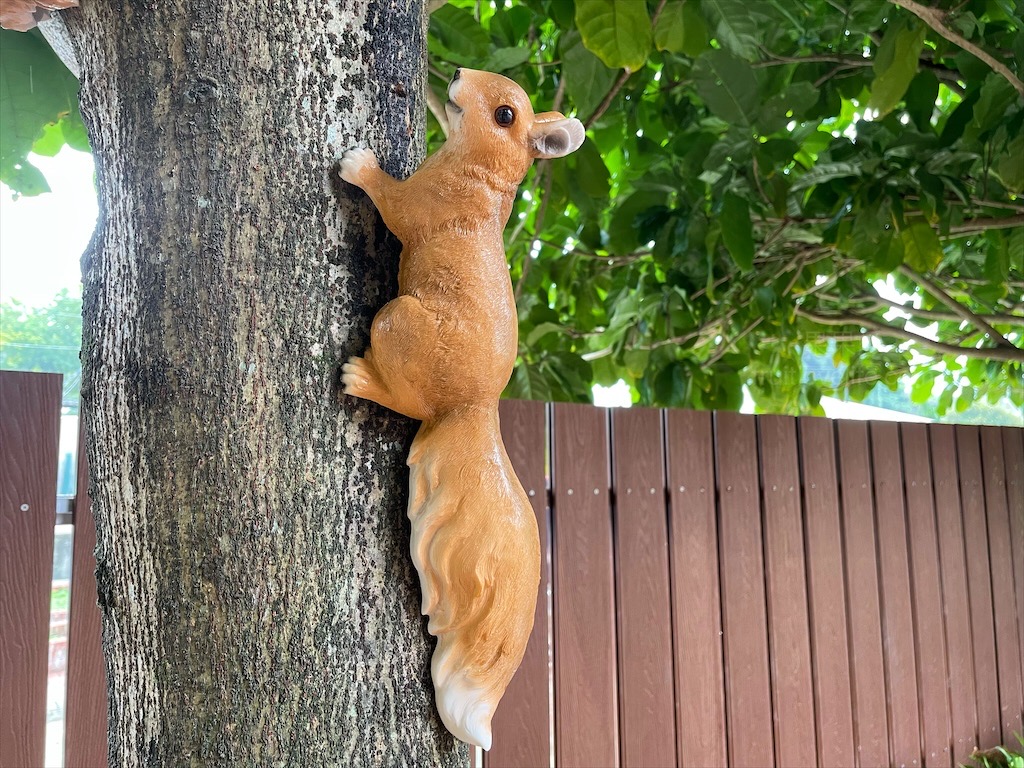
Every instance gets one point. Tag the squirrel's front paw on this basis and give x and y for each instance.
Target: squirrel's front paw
(354, 162)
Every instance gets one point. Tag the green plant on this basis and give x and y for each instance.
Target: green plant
(999, 756)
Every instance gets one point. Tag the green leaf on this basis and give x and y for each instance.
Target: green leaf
(50, 141)
(1009, 166)
(764, 299)
(735, 27)
(920, 99)
(36, 90)
(623, 236)
(921, 247)
(528, 383)
(964, 399)
(896, 65)
(24, 178)
(824, 172)
(617, 31)
(587, 79)
(728, 86)
(737, 230)
(681, 29)
(996, 96)
(465, 41)
(591, 174)
(921, 392)
(506, 58)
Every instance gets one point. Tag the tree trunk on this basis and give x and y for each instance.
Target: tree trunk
(259, 605)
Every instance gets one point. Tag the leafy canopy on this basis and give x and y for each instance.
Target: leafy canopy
(766, 185)
(763, 181)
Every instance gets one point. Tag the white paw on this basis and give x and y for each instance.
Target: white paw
(353, 377)
(354, 162)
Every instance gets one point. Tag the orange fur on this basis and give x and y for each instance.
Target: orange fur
(442, 352)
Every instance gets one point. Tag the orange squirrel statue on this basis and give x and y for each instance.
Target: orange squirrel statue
(442, 352)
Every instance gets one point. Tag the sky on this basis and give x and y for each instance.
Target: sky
(42, 238)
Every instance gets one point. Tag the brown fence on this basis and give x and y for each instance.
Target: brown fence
(719, 590)
(759, 591)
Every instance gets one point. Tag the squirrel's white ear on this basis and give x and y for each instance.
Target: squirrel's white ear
(556, 137)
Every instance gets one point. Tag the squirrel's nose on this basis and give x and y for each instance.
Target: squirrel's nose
(458, 73)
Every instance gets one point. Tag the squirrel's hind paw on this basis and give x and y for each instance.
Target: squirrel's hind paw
(359, 379)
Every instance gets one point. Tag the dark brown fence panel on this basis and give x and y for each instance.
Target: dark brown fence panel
(1004, 602)
(1013, 452)
(953, 571)
(979, 583)
(85, 710)
(897, 621)
(586, 719)
(871, 733)
(744, 615)
(693, 535)
(646, 699)
(927, 595)
(29, 430)
(522, 723)
(786, 578)
(826, 588)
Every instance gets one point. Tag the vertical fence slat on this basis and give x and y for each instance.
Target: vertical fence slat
(744, 615)
(697, 641)
(954, 590)
(829, 648)
(897, 616)
(29, 429)
(521, 724)
(584, 607)
(787, 593)
(927, 596)
(1013, 452)
(1004, 602)
(979, 584)
(85, 710)
(646, 711)
(866, 662)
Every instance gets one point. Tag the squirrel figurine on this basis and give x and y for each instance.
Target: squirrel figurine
(442, 352)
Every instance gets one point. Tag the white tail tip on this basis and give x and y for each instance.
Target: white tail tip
(464, 711)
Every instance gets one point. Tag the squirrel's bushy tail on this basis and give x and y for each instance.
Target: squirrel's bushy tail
(476, 548)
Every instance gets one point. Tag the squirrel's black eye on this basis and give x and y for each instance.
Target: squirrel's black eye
(504, 116)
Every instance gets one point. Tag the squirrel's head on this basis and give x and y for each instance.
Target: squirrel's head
(491, 118)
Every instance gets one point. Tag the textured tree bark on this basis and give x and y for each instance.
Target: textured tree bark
(259, 605)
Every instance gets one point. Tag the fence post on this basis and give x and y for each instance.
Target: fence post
(29, 430)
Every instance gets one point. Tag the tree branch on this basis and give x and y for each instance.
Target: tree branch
(935, 19)
(878, 302)
(936, 290)
(437, 110)
(1012, 355)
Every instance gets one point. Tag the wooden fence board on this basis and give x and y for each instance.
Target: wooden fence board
(979, 584)
(1004, 602)
(586, 719)
(1013, 453)
(646, 698)
(29, 430)
(85, 709)
(522, 723)
(897, 621)
(829, 648)
(927, 596)
(871, 736)
(697, 636)
(744, 615)
(954, 590)
(786, 578)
